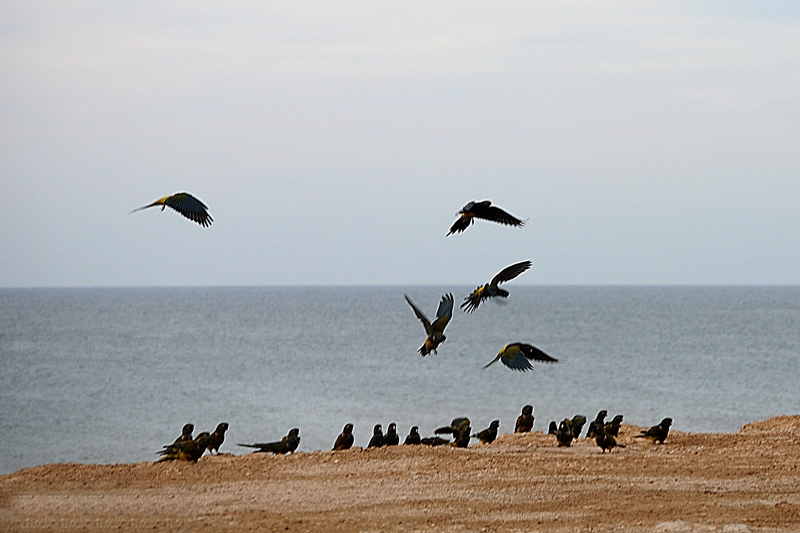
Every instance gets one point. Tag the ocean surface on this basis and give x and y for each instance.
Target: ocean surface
(111, 375)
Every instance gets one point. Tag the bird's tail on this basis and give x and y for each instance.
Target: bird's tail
(493, 362)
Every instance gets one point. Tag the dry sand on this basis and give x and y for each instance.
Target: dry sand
(746, 481)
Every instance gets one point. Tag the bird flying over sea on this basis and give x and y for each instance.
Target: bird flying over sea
(435, 329)
(185, 204)
(492, 289)
(518, 356)
(287, 444)
(486, 211)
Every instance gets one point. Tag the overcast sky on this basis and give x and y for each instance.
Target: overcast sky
(644, 142)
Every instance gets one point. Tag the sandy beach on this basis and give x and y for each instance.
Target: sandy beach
(745, 481)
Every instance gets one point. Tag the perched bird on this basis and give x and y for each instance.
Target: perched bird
(612, 428)
(492, 289)
(518, 356)
(606, 441)
(434, 330)
(185, 204)
(578, 421)
(462, 435)
(186, 433)
(596, 425)
(287, 444)
(455, 426)
(345, 440)
(434, 441)
(413, 437)
(391, 438)
(564, 434)
(216, 439)
(552, 429)
(524, 422)
(488, 435)
(185, 450)
(377, 439)
(657, 433)
(484, 210)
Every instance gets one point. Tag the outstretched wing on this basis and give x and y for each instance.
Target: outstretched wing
(444, 313)
(514, 359)
(495, 214)
(190, 207)
(510, 272)
(534, 353)
(420, 315)
(461, 223)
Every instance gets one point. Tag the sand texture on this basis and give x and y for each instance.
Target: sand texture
(745, 481)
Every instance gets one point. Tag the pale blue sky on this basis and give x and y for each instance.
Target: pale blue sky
(650, 143)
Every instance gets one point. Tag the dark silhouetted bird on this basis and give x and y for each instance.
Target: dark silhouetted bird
(287, 444)
(657, 433)
(462, 435)
(377, 439)
(518, 356)
(185, 204)
(596, 425)
(552, 429)
(612, 428)
(216, 439)
(434, 441)
(606, 441)
(578, 421)
(564, 434)
(488, 435)
(391, 438)
(453, 428)
(434, 330)
(413, 437)
(484, 210)
(185, 450)
(491, 289)
(345, 440)
(186, 433)
(524, 422)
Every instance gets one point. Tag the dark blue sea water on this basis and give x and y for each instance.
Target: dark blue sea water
(111, 375)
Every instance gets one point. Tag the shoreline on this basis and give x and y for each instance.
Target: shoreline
(745, 481)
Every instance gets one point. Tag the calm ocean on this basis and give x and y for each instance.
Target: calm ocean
(111, 375)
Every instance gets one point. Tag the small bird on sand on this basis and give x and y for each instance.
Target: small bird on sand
(185, 450)
(413, 437)
(216, 439)
(606, 441)
(657, 433)
(612, 428)
(435, 330)
(492, 289)
(185, 204)
(564, 434)
(391, 438)
(518, 356)
(578, 421)
(596, 426)
(462, 436)
(345, 439)
(287, 444)
(377, 439)
(186, 433)
(488, 435)
(552, 429)
(524, 422)
(483, 210)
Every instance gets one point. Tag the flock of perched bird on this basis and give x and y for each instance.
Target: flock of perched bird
(516, 356)
(604, 434)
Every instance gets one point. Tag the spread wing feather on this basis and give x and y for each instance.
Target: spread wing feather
(510, 272)
(420, 315)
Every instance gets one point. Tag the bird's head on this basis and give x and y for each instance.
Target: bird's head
(527, 410)
(466, 208)
(377, 429)
(414, 430)
(348, 428)
(293, 432)
(667, 422)
(495, 424)
(187, 429)
(392, 428)
(222, 427)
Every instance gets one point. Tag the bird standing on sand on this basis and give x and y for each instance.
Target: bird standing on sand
(185, 450)
(552, 429)
(462, 435)
(525, 421)
(606, 441)
(488, 435)
(492, 289)
(185, 204)
(391, 438)
(287, 444)
(657, 433)
(597, 425)
(377, 439)
(413, 437)
(434, 330)
(518, 356)
(612, 428)
(216, 439)
(484, 210)
(564, 434)
(578, 421)
(345, 439)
